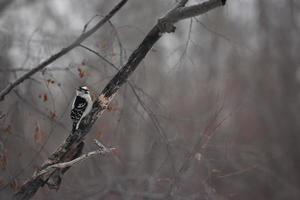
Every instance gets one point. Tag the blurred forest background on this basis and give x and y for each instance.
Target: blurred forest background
(212, 114)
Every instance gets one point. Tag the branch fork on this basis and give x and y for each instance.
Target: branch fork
(103, 150)
(69, 152)
(181, 11)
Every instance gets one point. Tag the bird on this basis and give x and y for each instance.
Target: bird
(81, 106)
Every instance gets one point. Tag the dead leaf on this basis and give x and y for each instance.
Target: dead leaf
(8, 129)
(45, 97)
(81, 73)
(52, 115)
(39, 135)
(3, 161)
(99, 135)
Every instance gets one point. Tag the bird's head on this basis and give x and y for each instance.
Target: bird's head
(82, 91)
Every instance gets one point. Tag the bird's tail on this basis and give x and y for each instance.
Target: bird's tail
(74, 127)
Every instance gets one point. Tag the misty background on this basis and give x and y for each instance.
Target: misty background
(212, 114)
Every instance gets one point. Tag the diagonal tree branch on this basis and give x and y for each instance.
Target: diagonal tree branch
(72, 146)
(194, 10)
(62, 52)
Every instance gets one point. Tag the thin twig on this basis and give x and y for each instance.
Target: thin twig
(1, 115)
(62, 52)
(88, 23)
(102, 151)
(100, 56)
(72, 146)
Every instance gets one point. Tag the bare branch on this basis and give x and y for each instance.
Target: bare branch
(102, 151)
(62, 52)
(72, 146)
(88, 23)
(182, 3)
(100, 56)
(21, 69)
(180, 13)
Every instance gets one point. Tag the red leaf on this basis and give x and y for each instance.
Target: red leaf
(45, 97)
(52, 115)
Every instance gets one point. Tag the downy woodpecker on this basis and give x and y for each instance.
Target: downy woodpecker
(81, 106)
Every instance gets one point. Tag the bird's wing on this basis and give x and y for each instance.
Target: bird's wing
(79, 106)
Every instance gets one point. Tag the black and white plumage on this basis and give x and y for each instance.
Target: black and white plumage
(81, 106)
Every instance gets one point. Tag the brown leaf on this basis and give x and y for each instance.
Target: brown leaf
(3, 161)
(45, 97)
(8, 129)
(81, 73)
(52, 115)
(39, 135)
(99, 135)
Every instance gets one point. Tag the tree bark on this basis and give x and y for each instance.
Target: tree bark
(70, 147)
